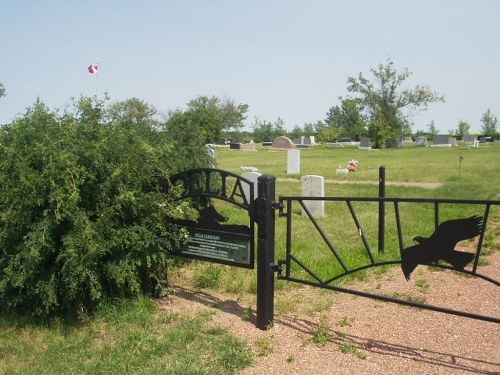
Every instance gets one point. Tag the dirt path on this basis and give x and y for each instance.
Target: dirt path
(322, 332)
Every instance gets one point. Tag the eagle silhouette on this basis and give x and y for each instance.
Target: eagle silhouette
(441, 245)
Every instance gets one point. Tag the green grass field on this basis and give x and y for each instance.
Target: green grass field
(136, 337)
(459, 173)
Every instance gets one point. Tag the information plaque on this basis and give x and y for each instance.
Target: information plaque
(220, 247)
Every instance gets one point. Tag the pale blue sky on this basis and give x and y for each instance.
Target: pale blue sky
(287, 59)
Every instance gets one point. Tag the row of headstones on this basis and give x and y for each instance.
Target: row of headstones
(284, 143)
(312, 186)
(440, 140)
(278, 143)
(443, 140)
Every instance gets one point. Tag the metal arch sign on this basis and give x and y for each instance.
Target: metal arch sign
(210, 238)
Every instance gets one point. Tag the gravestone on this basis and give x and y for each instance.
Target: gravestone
(469, 139)
(365, 144)
(395, 143)
(235, 146)
(282, 143)
(250, 147)
(334, 144)
(267, 142)
(252, 176)
(441, 140)
(301, 140)
(313, 186)
(293, 162)
(421, 142)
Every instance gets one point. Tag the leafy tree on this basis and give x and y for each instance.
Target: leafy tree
(232, 114)
(490, 123)
(184, 140)
(388, 107)
(2, 90)
(132, 112)
(463, 128)
(296, 132)
(309, 129)
(432, 129)
(346, 120)
(210, 117)
(263, 130)
(82, 218)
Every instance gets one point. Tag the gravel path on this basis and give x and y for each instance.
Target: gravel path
(323, 332)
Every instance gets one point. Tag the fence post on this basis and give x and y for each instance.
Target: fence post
(381, 209)
(265, 250)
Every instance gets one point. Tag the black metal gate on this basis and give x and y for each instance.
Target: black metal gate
(306, 275)
(261, 210)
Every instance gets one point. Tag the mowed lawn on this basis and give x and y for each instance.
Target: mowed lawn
(137, 337)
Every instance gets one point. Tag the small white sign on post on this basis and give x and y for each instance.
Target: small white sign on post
(313, 186)
(293, 165)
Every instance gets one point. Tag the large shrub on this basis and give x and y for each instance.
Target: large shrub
(81, 215)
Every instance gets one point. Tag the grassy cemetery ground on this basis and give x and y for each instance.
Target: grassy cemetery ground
(206, 326)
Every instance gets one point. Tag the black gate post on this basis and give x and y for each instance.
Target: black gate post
(381, 209)
(265, 250)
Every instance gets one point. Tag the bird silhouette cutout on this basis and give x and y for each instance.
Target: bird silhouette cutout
(441, 245)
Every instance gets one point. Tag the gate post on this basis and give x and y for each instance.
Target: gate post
(265, 250)
(381, 209)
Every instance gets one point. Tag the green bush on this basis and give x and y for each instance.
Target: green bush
(82, 219)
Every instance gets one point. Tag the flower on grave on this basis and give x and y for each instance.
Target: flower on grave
(352, 165)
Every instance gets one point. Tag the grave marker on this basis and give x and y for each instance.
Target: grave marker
(441, 140)
(282, 143)
(293, 162)
(250, 147)
(365, 144)
(313, 186)
(421, 142)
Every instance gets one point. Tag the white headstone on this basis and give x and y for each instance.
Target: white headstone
(421, 142)
(252, 176)
(293, 165)
(313, 186)
(250, 147)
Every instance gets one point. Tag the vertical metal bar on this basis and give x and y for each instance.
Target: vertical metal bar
(381, 209)
(288, 237)
(265, 251)
(436, 215)
(481, 237)
(398, 223)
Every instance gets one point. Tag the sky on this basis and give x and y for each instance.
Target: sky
(286, 59)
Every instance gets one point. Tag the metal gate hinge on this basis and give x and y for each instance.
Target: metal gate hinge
(277, 268)
(277, 206)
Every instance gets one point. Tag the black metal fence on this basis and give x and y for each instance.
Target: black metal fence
(218, 184)
(310, 277)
